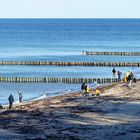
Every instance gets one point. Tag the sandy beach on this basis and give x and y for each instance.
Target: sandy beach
(113, 115)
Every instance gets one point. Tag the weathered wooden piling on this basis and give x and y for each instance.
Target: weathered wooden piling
(111, 53)
(108, 64)
(55, 80)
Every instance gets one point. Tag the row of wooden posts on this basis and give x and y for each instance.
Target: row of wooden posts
(116, 64)
(55, 80)
(112, 53)
(72, 80)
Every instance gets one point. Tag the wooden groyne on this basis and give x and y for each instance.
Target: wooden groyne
(109, 64)
(55, 80)
(112, 53)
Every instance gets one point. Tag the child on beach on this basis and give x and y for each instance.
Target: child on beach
(97, 92)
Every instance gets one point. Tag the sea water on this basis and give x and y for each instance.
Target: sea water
(63, 40)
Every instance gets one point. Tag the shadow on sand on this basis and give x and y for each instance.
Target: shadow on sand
(98, 119)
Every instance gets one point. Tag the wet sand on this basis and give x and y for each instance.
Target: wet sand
(113, 115)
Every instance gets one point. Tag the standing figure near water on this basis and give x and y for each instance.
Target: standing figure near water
(114, 72)
(119, 76)
(83, 88)
(20, 97)
(11, 100)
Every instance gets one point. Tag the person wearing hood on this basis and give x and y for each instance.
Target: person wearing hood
(11, 101)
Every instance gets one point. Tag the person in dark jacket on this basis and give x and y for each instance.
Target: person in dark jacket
(11, 100)
(83, 88)
(130, 79)
(114, 72)
(20, 97)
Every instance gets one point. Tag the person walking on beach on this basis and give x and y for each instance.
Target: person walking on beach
(119, 76)
(20, 97)
(83, 88)
(11, 100)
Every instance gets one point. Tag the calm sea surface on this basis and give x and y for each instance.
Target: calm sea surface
(63, 40)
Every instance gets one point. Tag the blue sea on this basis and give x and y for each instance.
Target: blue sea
(63, 40)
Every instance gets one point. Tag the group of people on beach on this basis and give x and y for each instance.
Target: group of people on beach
(119, 73)
(128, 77)
(85, 89)
(11, 99)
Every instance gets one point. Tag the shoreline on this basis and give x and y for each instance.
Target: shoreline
(112, 115)
(31, 91)
(55, 94)
(75, 93)
(26, 103)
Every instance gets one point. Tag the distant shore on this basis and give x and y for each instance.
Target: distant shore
(112, 115)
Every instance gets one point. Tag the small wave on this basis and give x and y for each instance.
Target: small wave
(50, 94)
(40, 97)
(67, 91)
(16, 102)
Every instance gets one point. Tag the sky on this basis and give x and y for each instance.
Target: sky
(69, 9)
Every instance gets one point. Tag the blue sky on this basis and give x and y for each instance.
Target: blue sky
(69, 9)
